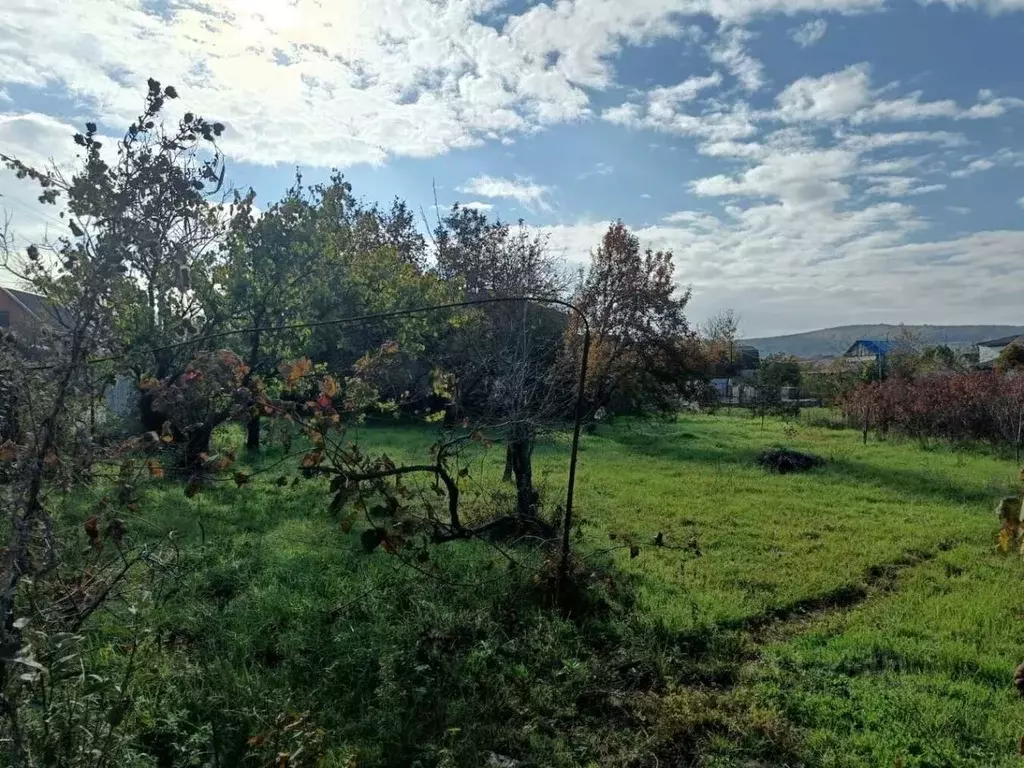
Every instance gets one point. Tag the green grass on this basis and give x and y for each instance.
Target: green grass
(855, 615)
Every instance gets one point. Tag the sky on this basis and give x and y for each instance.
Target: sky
(810, 163)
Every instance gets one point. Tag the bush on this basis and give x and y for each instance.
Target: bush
(959, 407)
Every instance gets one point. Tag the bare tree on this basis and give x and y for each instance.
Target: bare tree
(718, 333)
(504, 361)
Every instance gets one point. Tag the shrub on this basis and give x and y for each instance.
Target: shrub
(959, 407)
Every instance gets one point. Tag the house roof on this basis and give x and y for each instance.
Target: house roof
(878, 346)
(37, 306)
(1003, 342)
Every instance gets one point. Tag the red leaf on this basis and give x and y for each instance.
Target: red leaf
(312, 459)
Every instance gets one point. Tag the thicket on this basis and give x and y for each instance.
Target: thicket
(981, 406)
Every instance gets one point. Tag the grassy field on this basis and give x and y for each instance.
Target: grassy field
(855, 615)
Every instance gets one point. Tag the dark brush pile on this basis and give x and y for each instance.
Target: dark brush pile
(784, 461)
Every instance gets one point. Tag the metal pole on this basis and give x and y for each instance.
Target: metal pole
(563, 568)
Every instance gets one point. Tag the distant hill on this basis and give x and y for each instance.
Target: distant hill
(835, 341)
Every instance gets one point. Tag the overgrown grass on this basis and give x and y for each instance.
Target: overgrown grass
(855, 615)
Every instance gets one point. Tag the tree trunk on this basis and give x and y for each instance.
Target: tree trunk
(152, 420)
(197, 443)
(507, 477)
(521, 448)
(252, 434)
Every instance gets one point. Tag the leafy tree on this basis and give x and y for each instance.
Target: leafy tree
(641, 357)
(394, 228)
(779, 370)
(144, 225)
(264, 278)
(1011, 358)
(940, 358)
(367, 262)
(904, 359)
(492, 259)
(118, 279)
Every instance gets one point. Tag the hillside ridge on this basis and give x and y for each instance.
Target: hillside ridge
(836, 340)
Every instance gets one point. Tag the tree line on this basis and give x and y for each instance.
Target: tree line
(163, 271)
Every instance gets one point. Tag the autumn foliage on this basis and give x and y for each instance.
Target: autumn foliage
(958, 407)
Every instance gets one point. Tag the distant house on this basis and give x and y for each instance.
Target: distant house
(873, 352)
(868, 350)
(988, 351)
(747, 358)
(24, 312)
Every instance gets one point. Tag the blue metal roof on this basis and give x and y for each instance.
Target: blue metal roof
(878, 346)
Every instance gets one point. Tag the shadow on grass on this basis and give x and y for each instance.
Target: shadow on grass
(910, 482)
(674, 447)
(904, 483)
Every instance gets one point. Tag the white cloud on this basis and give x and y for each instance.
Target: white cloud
(688, 90)
(645, 196)
(834, 96)
(797, 179)
(847, 95)
(1004, 157)
(992, 6)
(476, 205)
(1020, 202)
(959, 210)
(37, 140)
(350, 81)
(810, 33)
(891, 166)
(729, 51)
(872, 141)
(899, 186)
(975, 166)
(599, 169)
(715, 124)
(523, 191)
(791, 272)
(693, 219)
(354, 81)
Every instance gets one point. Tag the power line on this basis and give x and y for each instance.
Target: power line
(345, 321)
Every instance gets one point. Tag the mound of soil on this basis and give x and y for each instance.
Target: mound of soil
(784, 461)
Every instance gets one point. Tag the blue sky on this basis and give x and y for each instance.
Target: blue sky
(809, 162)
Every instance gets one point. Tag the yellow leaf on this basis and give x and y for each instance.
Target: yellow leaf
(292, 372)
(329, 387)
